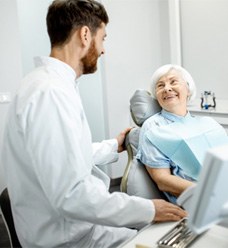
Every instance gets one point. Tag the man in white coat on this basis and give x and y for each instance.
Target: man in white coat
(59, 197)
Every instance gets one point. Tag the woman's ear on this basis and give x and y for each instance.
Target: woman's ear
(189, 92)
(85, 36)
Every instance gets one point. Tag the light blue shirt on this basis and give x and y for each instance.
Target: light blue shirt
(178, 143)
(149, 155)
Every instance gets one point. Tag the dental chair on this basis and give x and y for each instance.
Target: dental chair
(136, 180)
(8, 219)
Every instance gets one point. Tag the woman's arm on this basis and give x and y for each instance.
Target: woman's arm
(167, 182)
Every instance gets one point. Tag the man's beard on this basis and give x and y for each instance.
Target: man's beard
(89, 61)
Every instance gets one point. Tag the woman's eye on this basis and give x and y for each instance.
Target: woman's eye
(159, 86)
(174, 82)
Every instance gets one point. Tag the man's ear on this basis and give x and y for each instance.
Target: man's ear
(85, 35)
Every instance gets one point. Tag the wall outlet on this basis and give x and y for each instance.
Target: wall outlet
(5, 97)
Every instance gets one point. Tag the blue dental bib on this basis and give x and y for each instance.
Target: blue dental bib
(186, 141)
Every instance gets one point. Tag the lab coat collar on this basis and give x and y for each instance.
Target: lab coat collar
(63, 69)
(175, 118)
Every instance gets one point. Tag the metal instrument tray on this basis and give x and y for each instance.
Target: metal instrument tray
(180, 236)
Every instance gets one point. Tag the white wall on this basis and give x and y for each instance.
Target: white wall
(92, 93)
(135, 47)
(10, 60)
(33, 35)
(204, 43)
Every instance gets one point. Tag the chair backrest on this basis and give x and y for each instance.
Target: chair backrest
(8, 218)
(142, 106)
(136, 180)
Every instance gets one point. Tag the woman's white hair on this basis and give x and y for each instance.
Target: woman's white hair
(163, 70)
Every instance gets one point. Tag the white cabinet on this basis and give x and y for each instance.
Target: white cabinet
(220, 113)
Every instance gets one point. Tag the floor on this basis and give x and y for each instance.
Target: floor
(4, 239)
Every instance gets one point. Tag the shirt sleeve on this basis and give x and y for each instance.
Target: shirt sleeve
(147, 153)
(105, 152)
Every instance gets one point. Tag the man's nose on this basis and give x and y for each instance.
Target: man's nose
(102, 51)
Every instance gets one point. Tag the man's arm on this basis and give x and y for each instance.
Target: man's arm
(107, 151)
(166, 211)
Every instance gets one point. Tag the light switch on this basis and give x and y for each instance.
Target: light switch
(5, 97)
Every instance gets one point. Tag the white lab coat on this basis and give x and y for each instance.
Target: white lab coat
(58, 197)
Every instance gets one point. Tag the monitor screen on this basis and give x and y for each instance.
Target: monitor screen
(209, 203)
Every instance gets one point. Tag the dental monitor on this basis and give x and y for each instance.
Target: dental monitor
(206, 203)
(209, 203)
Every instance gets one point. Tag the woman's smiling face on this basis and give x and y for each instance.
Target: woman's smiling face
(172, 93)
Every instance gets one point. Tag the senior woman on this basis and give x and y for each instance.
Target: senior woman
(173, 143)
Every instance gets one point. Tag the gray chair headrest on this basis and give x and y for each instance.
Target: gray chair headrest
(142, 106)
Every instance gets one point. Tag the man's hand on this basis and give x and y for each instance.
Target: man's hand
(121, 137)
(166, 211)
